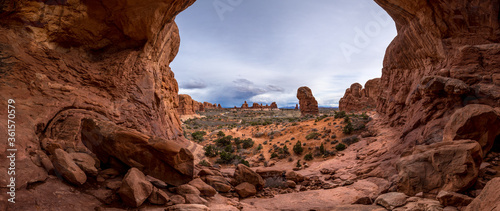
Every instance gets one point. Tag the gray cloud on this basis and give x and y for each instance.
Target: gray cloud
(193, 84)
(274, 88)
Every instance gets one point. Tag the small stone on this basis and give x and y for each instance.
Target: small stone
(177, 199)
(391, 200)
(158, 197)
(245, 190)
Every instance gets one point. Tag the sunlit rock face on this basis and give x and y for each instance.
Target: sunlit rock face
(446, 55)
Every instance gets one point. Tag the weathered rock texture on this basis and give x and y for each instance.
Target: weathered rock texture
(160, 158)
(488, 199)
(448, 166)
(188, 106)
(308, 104)
(62, 61)
(446, 55)
(358, 99)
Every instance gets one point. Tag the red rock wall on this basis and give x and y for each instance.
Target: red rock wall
(66, 60)
(188, 106)
(446, 55)
(358, 99)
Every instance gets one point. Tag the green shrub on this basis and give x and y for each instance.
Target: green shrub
(224, 141)
(259, 147)
(244, 162)
(285, 150)
(340, 114)
(308, 157)
(274, 155)
(298, 165)
(225, 157)
(204, 163)
(348, 128)
(322, 149)
(298, 148)
(248, 143)
(198, 135)
(210, 151)
(340, 147)
(221, 134)
(312, 135)
(364, 116)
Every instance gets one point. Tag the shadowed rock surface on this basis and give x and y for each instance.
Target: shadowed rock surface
(308, 104)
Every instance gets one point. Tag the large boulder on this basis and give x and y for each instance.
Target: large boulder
(187, 189)
(243, 174)
(488, 199)
(188, 106)
(476, 122)
(453, 199)
(64, 165)
(308, 104)
(219, 183)
(160, 158)
(391, 200)
(449, 166)
(158, 197)
(135, 188)
(245, 190)
(85, 162)
(204, 188)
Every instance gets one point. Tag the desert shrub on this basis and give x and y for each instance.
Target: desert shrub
(298, 165)
(340, 114)
(221, 134)
(274, 155)
(322, 149)
(350, 140)
(321, 117)
(285, 150)
(244, 162)
(210, 151)
(225, 157)
(198, 135)
(308, 156)
(229, 148)
(348, 128)
(259, 147)
(364, 116)
(204, 163)
(340, 147)
(247, 143)
(312, 135)
(275, 182)
(223, 141)
(297, 149)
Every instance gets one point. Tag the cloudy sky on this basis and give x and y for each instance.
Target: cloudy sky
(264, 50)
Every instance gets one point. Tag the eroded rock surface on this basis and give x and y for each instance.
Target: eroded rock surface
(308, 104)
(358, 99)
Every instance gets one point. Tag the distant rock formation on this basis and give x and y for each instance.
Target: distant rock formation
(188, 106)
(296, 106)
(308, 104)
(207, 105)
(358, 99)
(273, 105)
(245, 105)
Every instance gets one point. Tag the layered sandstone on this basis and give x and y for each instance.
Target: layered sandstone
(358, 99)
(63, 61)
(308, 104)
(446, 55)
(188, 106)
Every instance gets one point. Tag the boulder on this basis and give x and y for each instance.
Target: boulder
(308, 104)
(449, 166)
(160, 158)
(195, 199)
(188, 207)
(204, 188)
(476, 122)
(177, 199)
(219, 183)
(453, 199)
(291, 184)
(391, 200)
(85, 162)
(158, 197)
(417, 204)
(489, 197)
(66, 167)
(187, 189)
(294, 176)
(266, 173)
(135, 188)
(245, 190)
(243, 174)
